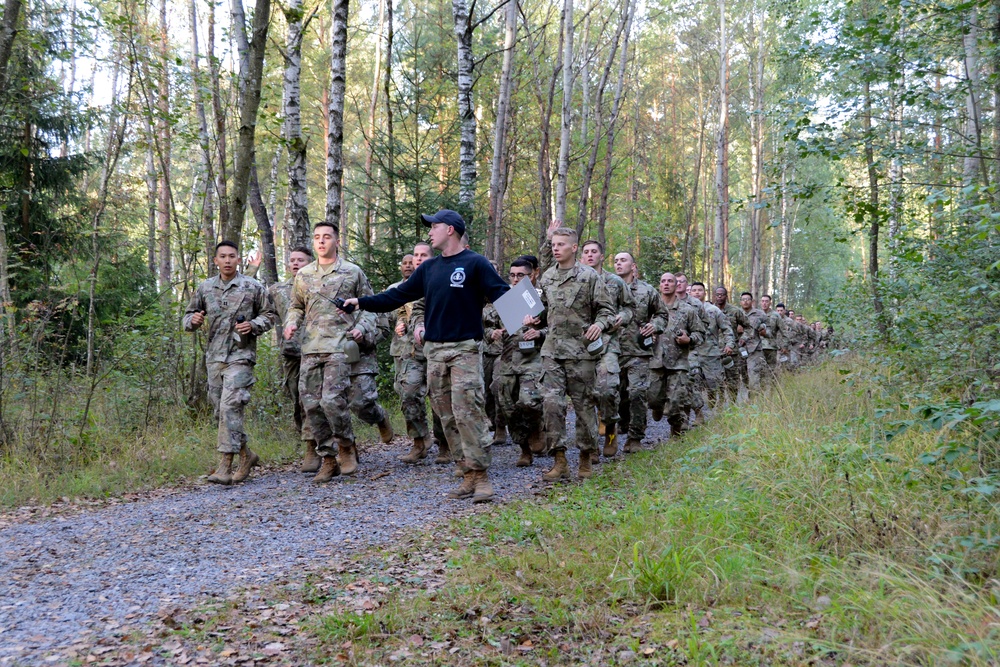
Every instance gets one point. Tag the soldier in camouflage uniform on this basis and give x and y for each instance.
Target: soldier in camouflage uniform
(719, 342)
(291, 353)
(238, 310)
(754, 329)
(697, 376)
(492, 348)
(579, 312)
(364, 387)
(670, 390)
(637, 340)
(609, 368)
(410, 376)
(769, 342)
(736, 368)
(518, 381)
(330, 345)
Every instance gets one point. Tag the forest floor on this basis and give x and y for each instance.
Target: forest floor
(780, 533)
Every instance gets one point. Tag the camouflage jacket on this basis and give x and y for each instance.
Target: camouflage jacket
(697, 352)
(326, 326)
(400, 346)
(683, 317)
(368, 364)
(771, 340)
(649, 308)
(720, 333)
(491, 323)
(281, 294)
(623, 304)
(519, 355)
(575, 298)
(752, 323)
(222, 304)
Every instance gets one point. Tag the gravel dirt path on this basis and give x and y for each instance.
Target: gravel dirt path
(81, 576)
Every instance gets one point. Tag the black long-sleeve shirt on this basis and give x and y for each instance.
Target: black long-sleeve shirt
(454, 290)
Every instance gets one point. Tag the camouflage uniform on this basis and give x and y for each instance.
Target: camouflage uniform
(696, 374)
(786, 343)
(455, 382)
(491, 358)
(575, 298)
(769, 343)
(325, 375)
(364, 388)
(517, 384)
(230, 366)
(416, 320)
(738, 369)
(671, 391)
(291, 352)
(410, 373)
(751, 341)
(719, 335)
(634, 360)
(609, 366)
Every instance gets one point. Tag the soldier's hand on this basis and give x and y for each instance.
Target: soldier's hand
(290, 331)
(739, 328)
(497, 334)
(353, 301)
(357, 334)
(647, 329)
(762, 330)
(530, 321)
(532, 334)
(418, 334)
(553, 226)
(244, 328)
(197, 319)
(593, 332)
(728, 351)
(255, 258)
(400, 328)
(682, 338)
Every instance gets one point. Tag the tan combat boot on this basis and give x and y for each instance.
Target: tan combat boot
(632, 446)
(483, 488)
(248, 461)
(586, 470)
(537, 443)
(384, 431)
(444, 452)
(416, 453)
(610, 441)
(312, 460)
(223, 474)
(595, 457)
(525, 459)
(467, 488)
(328, 470)
(459, 470)
(560, 469)
(348, 459)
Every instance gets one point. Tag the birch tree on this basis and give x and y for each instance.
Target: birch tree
(720, 242)
(499, 166)
(466, 108)
(335, 131)
(299, 231)
(562, 169)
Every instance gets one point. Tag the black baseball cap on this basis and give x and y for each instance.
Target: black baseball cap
(447, 217)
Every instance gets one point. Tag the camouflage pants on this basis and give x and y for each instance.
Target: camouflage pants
(671, 392)
(497, 421)
(364, 399)
(411, 387)
(733, 374)
(455, 382)
(229, 391)
(325, 390)
(771, 358)
(290, 383)
(756, 369)
(573, 379)
(634, 382)
(519, 400)
(608, 383)
(712, 373)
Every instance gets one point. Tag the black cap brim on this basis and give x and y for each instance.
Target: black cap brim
(428, 220)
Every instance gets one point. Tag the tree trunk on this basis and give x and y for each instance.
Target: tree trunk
(370, 157)
(757, 155)
(8, 30)
(609, 150)
(207, 211)
(567, 111)
(390, 137)
(264, 227)
(251, 71)
(720, 243)
(299, 233)
(873, 210)
(335, 131)
(466, 109)
(500, 157)
(787, 225)
(546, 103)
(222, 169)
(164, 137)
(974, 165)
(152, 197)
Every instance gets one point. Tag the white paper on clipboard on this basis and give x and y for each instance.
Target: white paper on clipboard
(520, 300)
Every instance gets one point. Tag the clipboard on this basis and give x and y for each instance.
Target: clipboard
(521, 300)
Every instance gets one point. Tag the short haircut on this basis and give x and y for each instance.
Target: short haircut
(324, 223)
(226, 244)
(626, 252)
(720, 287)
(780, 305)
(409, 254)
(424, 243)
(681, 274)
(301, 248)
(530, 259)
(568, 233)
(697, 283)
(600, 246)
(522, 263)
(749, 294)
(767, 296)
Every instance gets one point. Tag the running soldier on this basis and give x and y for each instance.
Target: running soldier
(769, 342)
(720, 343)
(738, 321)
(492, 349)
(754, 329)
(238, 311)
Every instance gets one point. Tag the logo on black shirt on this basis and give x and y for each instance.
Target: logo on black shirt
(458, 277)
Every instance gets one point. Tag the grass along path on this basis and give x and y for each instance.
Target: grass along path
(787, 531)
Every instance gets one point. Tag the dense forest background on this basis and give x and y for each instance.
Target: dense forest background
(841, 155)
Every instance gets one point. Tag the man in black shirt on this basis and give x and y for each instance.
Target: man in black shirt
(454, 286)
